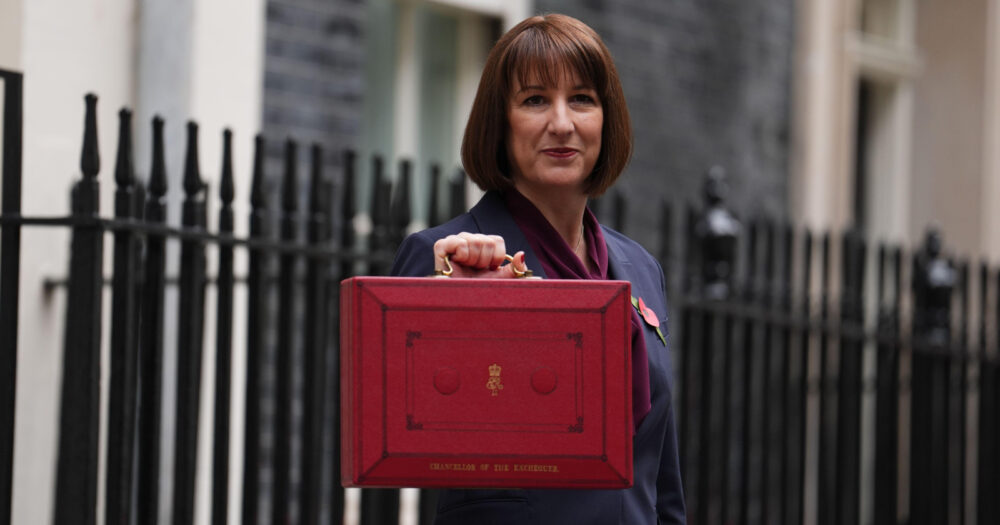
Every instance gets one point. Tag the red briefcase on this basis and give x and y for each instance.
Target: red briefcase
(485, 383)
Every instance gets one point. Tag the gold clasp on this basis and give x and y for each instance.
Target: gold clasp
(526, 274)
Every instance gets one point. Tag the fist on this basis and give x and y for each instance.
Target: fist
(476, 255)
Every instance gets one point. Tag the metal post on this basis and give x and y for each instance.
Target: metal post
(10, 271)
(400, 213)
(223, 341)
(347, 241)
(960, 367)
(347, 212)
(434, 217)
(749, 352)
(827, 428)
(767, 381)
(315, 345)
(933, 284)
(256, 325)
(285, 380)
(76, 477)
(786, 430)
(456, 194)
(190, 329)
(377, 212)
(122, 406)
(849, 380)
(151, 340)
(887, 388)
(987, 480)
(802, 386)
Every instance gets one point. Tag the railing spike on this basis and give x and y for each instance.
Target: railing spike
(226, 187)
(456, 194)
(433, 216)
(124, 168)
(90, 157)
(347, 211)
(290, 188)
(318, 197)
(400, 213)
(192, 176)
(257, 197)
(158, 172)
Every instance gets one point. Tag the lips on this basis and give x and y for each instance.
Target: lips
(560, 153)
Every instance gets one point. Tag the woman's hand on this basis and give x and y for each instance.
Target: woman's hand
(476, 255)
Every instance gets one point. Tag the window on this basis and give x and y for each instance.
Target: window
(886, 64)
(423, 62)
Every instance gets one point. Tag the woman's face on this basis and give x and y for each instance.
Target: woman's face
(554, 134)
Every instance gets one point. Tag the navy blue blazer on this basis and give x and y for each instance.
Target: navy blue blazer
(657, 496)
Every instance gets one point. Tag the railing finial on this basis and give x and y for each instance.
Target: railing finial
(226, 187)
(158, 172)
(124, 167)
(318, 197)
(192, 176)
(257, 198)
(400, 212)
(716, 230)
(290, 189)
(90, 157)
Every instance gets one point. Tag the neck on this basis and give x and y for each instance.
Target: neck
(564, 211)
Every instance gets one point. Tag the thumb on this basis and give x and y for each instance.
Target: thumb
(515, 268)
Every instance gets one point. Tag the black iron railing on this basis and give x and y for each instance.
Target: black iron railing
(781, 338)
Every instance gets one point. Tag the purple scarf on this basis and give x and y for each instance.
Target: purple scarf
(560, 262)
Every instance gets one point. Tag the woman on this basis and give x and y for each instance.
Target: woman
(548, 129)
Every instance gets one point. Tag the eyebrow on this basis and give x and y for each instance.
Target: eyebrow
(539, 87)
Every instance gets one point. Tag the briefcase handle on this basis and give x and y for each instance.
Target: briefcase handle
(526, 274)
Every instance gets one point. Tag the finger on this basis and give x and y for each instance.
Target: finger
(444, 247)
(469, 252)
(485, 259)
(499, 251)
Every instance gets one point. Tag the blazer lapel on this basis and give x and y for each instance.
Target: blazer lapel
(619, 266)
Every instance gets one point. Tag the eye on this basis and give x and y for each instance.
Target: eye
(534, 100)
(582, 98)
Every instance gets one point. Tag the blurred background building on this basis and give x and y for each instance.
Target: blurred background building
(879, 115)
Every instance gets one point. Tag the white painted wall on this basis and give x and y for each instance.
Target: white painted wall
(65, 50)
(10, 33)
(949, 124)
(991, 138)
(820, 140)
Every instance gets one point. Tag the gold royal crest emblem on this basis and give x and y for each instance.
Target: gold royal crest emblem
(494, 384)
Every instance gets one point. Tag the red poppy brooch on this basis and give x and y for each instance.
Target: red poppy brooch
(649, 316)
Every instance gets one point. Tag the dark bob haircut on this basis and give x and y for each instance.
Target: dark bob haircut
(543, 48)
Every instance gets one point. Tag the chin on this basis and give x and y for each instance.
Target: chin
(562, 177)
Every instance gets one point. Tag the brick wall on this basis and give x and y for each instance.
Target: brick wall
(313, 76)
(707, 82)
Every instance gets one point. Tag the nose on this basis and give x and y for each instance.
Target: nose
(560, 119)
